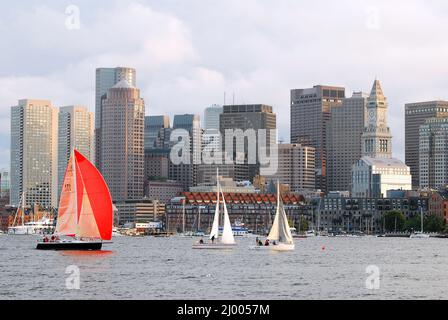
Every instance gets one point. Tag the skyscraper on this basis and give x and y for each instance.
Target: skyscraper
(376, 171)
(244, 117)
(4, 183)
(157, 132)
(295, 167)
(186, 173)
(344, 141)
(376, 138)
(105, 79)
(157, 147)
(415, 116)
(310, 113)
(122, 141)
(433, 148)
(76, 130)
(34, 126)
(211, 117)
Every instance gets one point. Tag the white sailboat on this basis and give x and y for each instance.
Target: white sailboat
(227, 241)
(20, 229)
(420, 234)
(280, 237)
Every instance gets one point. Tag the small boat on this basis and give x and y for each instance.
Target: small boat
(226, 241)
(419, 234)
(279, 238)
(23, 228)
(85, 214)
(238, 229)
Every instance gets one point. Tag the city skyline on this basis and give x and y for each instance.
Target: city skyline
(174, 53)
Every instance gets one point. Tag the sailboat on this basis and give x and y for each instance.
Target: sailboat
(227, 241)
(280, 238)
(16, 228)
(85, 213)
(420, 234)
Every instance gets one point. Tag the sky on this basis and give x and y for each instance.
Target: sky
(189, 52)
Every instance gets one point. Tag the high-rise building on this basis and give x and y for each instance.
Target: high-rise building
(105, 79)
(295, 167)
(244, 117)
(157, 132)
(376, 171)
(34, 132)
(344, 141)
(122, 141)
(4, 183)
(186, 173)
(433, 151)
(416, 115)
(211, 117)
(310, 113)
(76, 130)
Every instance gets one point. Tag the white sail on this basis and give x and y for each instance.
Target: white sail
(273, 234)
(284, 232)
(227, 234)
(215, 227)
(280, 230)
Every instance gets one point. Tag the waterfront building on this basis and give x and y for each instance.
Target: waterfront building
(310, 113)
(75, 130)
(162, 191)
(344, 132)
(376, 172)
(139, 211)
(364, 214)
(296, 167)
(106, 78)
(226, 184)
(34, 126)
(438, 203)
(433, 148)
(122, 146)
(244, 117)
(255, 211)
(415, 116)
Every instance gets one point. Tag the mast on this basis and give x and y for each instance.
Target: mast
(421, 219)
(75, 187)
(183, 215)
(23, 208)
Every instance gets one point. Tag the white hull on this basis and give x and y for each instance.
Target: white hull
(24, 231)
(419, 236)
(213, 246)
(277, 247)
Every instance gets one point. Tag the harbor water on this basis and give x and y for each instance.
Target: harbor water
(167, 268)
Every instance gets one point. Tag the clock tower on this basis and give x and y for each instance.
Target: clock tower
(376, 138)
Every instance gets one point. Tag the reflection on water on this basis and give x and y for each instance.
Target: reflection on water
(167, 268)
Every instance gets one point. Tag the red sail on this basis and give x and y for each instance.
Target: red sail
(97, 192)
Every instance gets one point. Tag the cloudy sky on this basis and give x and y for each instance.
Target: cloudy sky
(189, 52)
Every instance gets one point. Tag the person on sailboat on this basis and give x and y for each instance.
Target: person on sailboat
(201, 241)
(266, 243)
(213, 238)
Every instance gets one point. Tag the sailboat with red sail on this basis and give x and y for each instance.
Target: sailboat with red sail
(85, 214)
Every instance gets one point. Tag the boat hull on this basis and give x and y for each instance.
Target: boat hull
(277, 247)
(213, 246)
(75, 245)
(419, 236)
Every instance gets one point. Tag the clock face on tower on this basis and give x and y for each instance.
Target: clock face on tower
(372, 116)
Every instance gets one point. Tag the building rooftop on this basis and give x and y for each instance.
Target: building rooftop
(384, 162)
